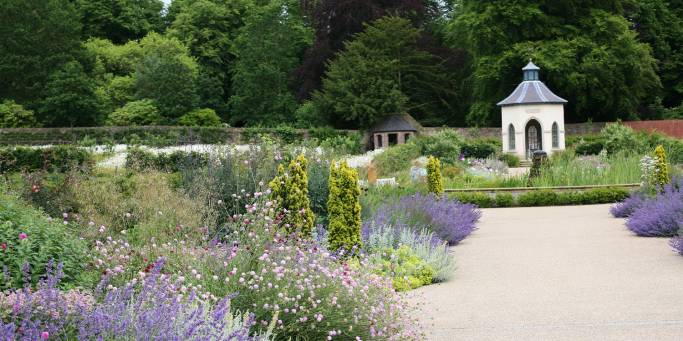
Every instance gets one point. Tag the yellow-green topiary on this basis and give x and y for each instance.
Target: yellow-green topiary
(343, 208)
(661, 168)
(434, 179)
(291, 192)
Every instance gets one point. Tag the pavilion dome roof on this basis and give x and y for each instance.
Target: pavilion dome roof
(531, 90)
(397, 122)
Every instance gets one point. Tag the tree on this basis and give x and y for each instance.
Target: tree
(36, 38)
(660, 24)
(382, 72)
(167, 75)
(200, 118)
(291, 191)
(586, 49)
(135, 113)
(70, 99)
(335, 22)
(343, 207)
(13, 115)
(267, 49)
(120, 20)
(209, 29)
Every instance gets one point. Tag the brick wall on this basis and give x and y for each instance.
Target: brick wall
(673, 128)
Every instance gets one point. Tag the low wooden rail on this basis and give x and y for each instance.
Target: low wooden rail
(530, 189)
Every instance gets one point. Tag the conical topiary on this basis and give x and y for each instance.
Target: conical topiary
(291, 191)
(661, 168)
(343, 208)
(434, 179)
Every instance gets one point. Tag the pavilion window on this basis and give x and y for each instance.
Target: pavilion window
(556, 135)
(511, 137)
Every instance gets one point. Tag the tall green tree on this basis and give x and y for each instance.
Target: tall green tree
(660, 24)
(70, 99)
(381, 72)
(268, 49)
(36, 38)
(588, 53)
(167, 75)
(209, 29)
(120, 20)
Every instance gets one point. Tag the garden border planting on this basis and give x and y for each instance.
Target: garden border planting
(601, 195)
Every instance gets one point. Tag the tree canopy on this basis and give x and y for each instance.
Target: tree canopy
(339, 63)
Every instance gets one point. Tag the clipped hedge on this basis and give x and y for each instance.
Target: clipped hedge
(140, 159)
(543, 198)
(58, 158)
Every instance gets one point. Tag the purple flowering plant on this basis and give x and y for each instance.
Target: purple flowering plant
(660, 215)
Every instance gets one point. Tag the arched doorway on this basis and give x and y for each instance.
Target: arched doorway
(534, 140)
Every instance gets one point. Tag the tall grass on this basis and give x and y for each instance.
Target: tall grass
(591, 170)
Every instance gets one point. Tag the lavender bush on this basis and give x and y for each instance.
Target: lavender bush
(450, 220)
(152, 306)
(659, 216)
(677, 244)
(625, 208)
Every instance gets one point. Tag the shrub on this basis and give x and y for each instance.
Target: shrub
(200, 118)
(343, 207)
(479, 149)
(406, 269)
(423, 243)
(661, 173)
(590, 146)
(13, 115)
(434, 179)
(291, 192)
(140, 160)
(511, 160)
(444, 145)
(137, 113)
(479, 199)
(659, 216)
(29, 241)
(625, 208)
(396, 158)
(449, 219)
(350, 144)
(619, 137)
(677, 244)
(538, 198)
(504, 200)
(58, 158)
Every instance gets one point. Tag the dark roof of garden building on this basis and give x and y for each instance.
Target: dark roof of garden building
(531, 90)
(397, 122)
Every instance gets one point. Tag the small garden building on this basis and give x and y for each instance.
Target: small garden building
(532, 117)
(394, 129)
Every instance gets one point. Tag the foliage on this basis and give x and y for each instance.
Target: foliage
(396, 158)
(586, 51)
(434, 179)
(661, 173)
(622, 168)
(479, 149)
(448, 219)
(511, 160)
(153, 307)
(445, 145)
(58, 158)
(166, 68)
(135, 113)
(70, 98)
(543, 198)
(120, 20)
(659, 216)
(13, 115)
(38, 37)
(625, 208)
(619, 137)
(381, 72)
(267, 50)
(407, 270)
(350, 144)
(29, 241)
(343, 208)
(200, 118)
(291, 191)
(424, 244)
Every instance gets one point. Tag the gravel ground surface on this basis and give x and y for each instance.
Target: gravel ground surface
(556, 273)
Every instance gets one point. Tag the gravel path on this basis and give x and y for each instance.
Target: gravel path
(557, 273)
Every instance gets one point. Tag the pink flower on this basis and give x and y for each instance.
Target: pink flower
(3, 246)
(44, 335)
(22, 236)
